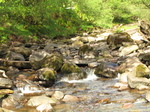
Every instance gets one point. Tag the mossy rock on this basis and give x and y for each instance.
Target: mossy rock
(70, 68)
(72, 71)
(142, 71)
(84, 49)
(87, 51)
(54, 61)
(116, 39)
(47, 74)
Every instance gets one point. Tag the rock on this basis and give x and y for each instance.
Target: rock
(128, 64)
(26, 52)
(70, 99)
(93, 64)
(145, 28)
(123, 77)
(58, 95)
(127, 105)
(14, 56)
(142, 71)
(87, 51)
(107, 70)
(116, 39)
(6, 91)
(72, 71)
(51, 47)
(54, 61)
(3, 74)
(46, 74)
(5, 110)
(145, 58)
(127, 50)
(147, 96)
(39, 100)
(6, 83)
(77, 43)
(46, 107)
(3, 51)
(37, 59)
(18, 64)
(136, 82)
(12, 101)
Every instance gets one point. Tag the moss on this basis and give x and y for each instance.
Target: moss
(70, 68)
(49, 75)
(142, 71)
(54, 61)
(85, 49)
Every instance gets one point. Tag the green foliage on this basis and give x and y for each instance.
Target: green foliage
(35, 19)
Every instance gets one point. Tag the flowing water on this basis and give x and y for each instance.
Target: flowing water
(97, 95)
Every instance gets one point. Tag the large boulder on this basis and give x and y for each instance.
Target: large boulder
(37, 59)
(105, 69)
(72, 71)
(54, 61)
(117, 39)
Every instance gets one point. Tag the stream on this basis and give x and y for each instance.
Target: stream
(96, 95)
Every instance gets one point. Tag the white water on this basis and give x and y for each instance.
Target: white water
(91, 77)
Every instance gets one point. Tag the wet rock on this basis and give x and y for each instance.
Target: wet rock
(58, 95)
(37, 59)
(44, 107)
(14, 56)
(39, 100)
(116, 39)
(127, 50)
(72, 71)
(127, 105)
(107, 70)
(6, 91)
(54, 61)
(93, 64)
(5, 110)
(12, 101)
(6, 83)
(87, 51)
(46, 74)
(147, 96)
(70, 98)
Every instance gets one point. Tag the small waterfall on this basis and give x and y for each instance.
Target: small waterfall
(90, 77)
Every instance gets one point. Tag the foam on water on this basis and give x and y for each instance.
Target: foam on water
(90, 77)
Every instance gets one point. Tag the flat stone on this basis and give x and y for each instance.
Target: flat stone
(58, 95)
(39, 100)
(70, 98)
